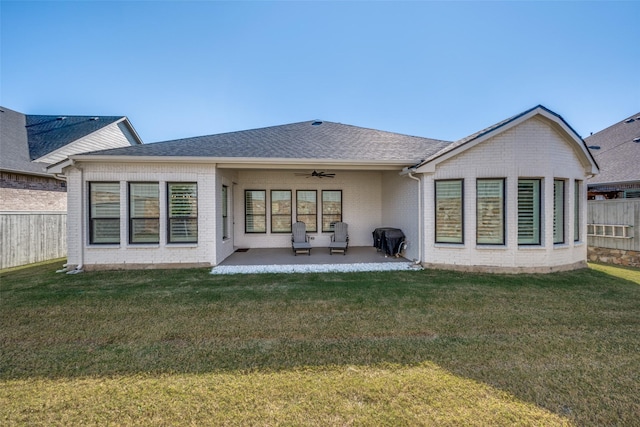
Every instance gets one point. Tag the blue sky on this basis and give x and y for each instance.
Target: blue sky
(435, 69)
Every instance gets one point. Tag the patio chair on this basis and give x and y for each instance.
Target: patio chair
(299, 239)
(340, 238)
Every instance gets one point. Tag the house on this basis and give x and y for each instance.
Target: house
(511, 197)
(30, 143)
(617, 151)
(33, 201)
(613, 211)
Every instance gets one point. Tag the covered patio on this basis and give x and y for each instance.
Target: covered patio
(282, 260)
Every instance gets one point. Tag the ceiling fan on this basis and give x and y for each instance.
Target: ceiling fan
(317, 174)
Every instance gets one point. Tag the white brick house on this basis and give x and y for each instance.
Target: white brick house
(509, 198)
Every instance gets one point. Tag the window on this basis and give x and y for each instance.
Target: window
(281, 211)
(144, 212)
(225, 212)
(529, 212)
(183, 212)
(307, 209)
(255, 211)
(576, 211)
(104, 212)
(558, 211)
(490, 211)
(449, 215)
(331, 209)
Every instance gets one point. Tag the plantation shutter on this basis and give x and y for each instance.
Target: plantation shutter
(104, 212)
(490, 211)
(529, 212)
(183, 212)
(576, 211)
(449, 213)
(558, 211)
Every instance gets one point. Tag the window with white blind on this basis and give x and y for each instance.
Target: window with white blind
(529, 231)
(255, 211)
(183, 212)
(144, 212)
(307, 209)
(281, 211)
(490, 211)
(331, 209)
(104, 212)
(558, 211)
(449, 214)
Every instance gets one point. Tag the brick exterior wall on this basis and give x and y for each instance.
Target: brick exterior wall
(21, 192)
(371, 199)
(533, 149)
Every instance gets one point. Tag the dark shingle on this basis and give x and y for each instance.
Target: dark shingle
(49, 133)
(328, 141)
(618, 155)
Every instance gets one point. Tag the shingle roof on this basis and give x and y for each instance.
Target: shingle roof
(14, 147)
(618, 155)
(304, 140)
(49, 133)
(28, 137)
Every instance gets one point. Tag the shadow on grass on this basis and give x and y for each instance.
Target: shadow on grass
(566, 342)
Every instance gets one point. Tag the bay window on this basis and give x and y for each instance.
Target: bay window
(529, 212)
(558, 211)
(449, 214)
(490, 211)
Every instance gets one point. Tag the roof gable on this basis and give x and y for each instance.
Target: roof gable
(463, 144)
(49, 133)
(30, 142)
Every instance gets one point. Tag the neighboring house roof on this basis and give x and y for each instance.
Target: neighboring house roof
(310, 140)
(29, 141)
(618, 153)
(476, 138)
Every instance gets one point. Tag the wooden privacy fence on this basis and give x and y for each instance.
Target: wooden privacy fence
(613, 231)
(28, 237)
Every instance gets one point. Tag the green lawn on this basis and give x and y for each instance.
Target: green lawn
(185, 347)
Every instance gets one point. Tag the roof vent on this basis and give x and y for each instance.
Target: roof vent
(629, 120)
(316, 123)
(636, 139)
(95, 118)
(61, 118)
(594, 147)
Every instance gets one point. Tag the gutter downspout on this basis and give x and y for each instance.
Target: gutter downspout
(420, 213)
(78, 268)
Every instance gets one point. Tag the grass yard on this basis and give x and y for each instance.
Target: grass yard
(184, 347)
